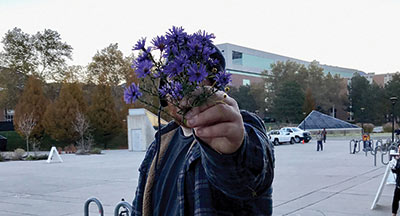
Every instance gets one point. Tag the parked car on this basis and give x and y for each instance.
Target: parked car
(278, 137)
(299, 134)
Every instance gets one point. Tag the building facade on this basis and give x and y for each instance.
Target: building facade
(379, 79)
(246, 64)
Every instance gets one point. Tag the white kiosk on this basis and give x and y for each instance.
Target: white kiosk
(140, 129)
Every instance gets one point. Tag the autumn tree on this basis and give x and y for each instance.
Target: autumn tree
(102, 114)
(31, 103)
(309, 102)
(61, 113)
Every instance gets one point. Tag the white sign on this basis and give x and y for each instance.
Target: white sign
(54, 153)
(381, 186)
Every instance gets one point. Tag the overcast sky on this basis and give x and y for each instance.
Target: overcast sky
(358, 34)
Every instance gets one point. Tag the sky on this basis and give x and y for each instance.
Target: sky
(357, 34)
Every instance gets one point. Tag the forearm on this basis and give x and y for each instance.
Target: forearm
(245, 173)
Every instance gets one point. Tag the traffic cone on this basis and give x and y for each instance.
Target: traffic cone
(303, 141)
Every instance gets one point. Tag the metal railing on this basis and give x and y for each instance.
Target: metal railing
(126, 208)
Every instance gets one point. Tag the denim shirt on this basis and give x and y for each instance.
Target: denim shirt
(211, 183)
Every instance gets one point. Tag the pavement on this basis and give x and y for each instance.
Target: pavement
(310, 183)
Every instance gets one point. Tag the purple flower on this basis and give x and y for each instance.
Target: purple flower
(204, 37)
(194, 45)
(176, 35)
(164, 90)
(176, 90)
(207, 51)
(197, 73)
(140, 44)
(143, 68)
(172, 69)
(160, 42)
(222, 79)
(132, 93)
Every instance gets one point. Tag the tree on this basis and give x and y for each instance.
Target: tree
(58, 116)
(102, 114)
(32, 102)
(82, 127)
(282, 72)
(110, 67)
(391, 89)
(26, 124)
(315, 81)
(288, 103)
(250, 97)
(309, 102)
(11, 87)
(42, 54)
(359, 92)
(334, 94)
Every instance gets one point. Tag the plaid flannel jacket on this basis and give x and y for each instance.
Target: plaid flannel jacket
(216, 184)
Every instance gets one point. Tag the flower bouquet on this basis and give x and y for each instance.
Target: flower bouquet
(187, 71)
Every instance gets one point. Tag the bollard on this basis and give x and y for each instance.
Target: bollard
(98, 203)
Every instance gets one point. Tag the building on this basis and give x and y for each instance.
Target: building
(246, 64)
(379, 79)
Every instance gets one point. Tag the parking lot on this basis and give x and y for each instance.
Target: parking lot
(307, 182)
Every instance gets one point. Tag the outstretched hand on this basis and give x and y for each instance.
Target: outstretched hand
(218, 123)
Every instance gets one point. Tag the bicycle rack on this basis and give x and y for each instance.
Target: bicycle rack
(98, 203)
(385, 150)
(353, 144)
(127, 208)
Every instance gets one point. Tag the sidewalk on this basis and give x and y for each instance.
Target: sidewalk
(307, 182)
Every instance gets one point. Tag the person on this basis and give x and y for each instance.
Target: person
(366, 141)
(395, 166)
(319, 141)
(324, 134)
(218, 161)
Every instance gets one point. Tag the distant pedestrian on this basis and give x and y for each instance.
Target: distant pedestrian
(395, 165)
(324, 134)
(319, 141)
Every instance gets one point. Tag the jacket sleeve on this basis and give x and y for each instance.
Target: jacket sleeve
(249, 171)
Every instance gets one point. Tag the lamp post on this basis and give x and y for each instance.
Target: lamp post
(304, 126)
(362, 120)
(393, 99)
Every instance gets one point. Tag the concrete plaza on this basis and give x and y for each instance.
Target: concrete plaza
(307, 182)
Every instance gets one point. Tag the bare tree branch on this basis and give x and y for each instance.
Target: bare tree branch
(26, 124)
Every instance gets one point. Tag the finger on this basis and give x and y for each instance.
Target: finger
(218, 98)
(212, 115)
(224, 129)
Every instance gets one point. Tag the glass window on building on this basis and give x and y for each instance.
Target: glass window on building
(237, 58)
(9, 115)
(246, 82)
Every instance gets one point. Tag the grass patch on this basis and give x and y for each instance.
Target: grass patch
(14, 140)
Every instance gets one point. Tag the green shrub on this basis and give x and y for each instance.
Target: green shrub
(14, 140)
(95, 151)
(368, 127)
(18, 154)
(388, 127)
(37, 157)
